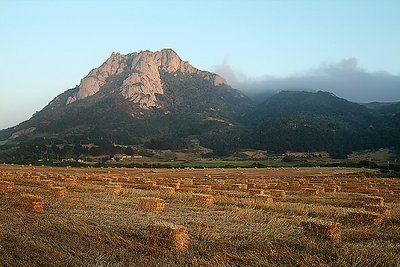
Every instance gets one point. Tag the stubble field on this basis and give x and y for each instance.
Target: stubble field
(197, 217)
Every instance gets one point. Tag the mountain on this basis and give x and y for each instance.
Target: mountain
(155, 101)
(145, 82)
(320, 121)
(134, 98)
(379, 105)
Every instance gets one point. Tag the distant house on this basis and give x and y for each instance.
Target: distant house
(68, 160)
(122, 156)
(182, 158)
(323, 154)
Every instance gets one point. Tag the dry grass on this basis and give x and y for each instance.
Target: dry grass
(90, 228)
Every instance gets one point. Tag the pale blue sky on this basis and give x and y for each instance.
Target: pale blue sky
(46, 47)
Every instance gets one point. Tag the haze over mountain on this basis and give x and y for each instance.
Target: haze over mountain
(346, 79)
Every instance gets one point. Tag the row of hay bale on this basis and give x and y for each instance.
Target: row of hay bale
(304, 184)
(175, 237)
(29, 202)
(332, 230)
(189, 184)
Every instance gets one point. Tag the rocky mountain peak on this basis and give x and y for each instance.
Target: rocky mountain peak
(140, 75)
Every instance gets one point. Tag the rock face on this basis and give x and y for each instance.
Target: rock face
(140, 75)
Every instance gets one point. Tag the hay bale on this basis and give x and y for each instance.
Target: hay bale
(59, 191)
(107, 181)
(364, 218)
(238, 186)
(72, 182)
(185, 190)
(254, 191)
(310, 191)
(271, 185)
(60, 177)
(6, 186)
(374, 200)
(330, 189)
(175, 185)
(249, 185)
(47, 183)
(187, 182)
(203, 199)
(294, 184)
(278, 193)
(383, 210)
(168, 236)
(320, 189)
(148, 185)
(322, 229)
(32, 203)
(167, 190)
(123, 179)
(151, 204)
(113, 188)
(261, 198)
(203, 189)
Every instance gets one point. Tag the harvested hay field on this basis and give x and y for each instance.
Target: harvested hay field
(259, 217)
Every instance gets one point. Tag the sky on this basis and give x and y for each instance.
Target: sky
(348, 47)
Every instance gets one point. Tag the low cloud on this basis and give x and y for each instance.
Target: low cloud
(345, 79)
(232, 76)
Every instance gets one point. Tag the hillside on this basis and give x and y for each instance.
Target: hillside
(306, 121)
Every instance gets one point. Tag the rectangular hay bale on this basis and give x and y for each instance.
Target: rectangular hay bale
(59, 191)
(310, 191)
(277, 193)
(47, 183)
(32, 203)
(383, 210)
(238, 186)
(321, 229)
(72, 182)
(374, 200)
(255, 191)
(151, 204)
(203, 189)
(113, 188)
(261, 198)
(166, 190)
(168, 236)
(6, 186)
(364, 218)
(203, 199)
